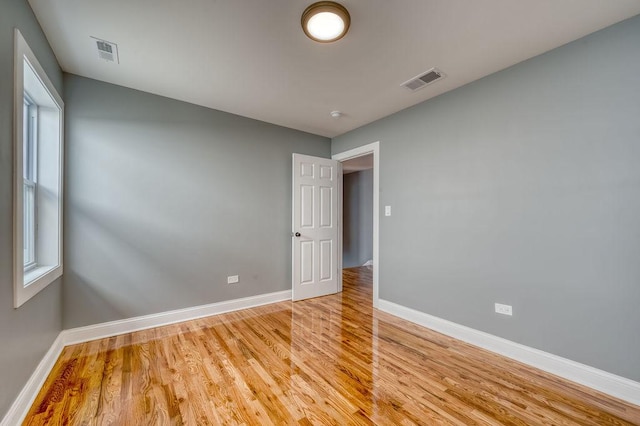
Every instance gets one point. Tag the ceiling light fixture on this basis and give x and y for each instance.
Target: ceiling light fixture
(325, 21)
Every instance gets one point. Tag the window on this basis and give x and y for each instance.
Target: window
(29, 140)
(38, 140)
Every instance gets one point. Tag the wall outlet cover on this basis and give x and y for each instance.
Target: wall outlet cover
(504, 309)
(232, 279)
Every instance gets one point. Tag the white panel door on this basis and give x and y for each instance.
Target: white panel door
(315, 226)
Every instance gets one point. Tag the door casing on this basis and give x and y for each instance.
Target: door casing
(372, 148)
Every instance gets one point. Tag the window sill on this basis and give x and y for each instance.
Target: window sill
(34, 281)
(35, 272)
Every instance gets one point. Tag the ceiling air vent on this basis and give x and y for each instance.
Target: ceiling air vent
(107, 50)
(423, 79)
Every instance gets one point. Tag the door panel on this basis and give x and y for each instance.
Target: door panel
(326, 207)
(306, 169)
(315, 228)
(326, 172)
(306, 210)
(306, 262)
(326, 260)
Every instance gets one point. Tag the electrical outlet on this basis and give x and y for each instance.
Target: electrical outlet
(232, 279)
(387, 210)
(504, 309)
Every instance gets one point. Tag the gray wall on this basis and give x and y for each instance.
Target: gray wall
(26, 333)
(165, 199)
(523, 188)
(357, 242)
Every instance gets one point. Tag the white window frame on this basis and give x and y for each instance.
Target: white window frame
(30, 127)
(47, 162)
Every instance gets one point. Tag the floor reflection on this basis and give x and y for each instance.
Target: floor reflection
(332, 338)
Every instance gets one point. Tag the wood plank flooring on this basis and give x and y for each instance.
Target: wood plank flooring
(329, 361)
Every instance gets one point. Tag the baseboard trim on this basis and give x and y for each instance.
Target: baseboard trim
(20, 407)
(611, 384)
(73, 336)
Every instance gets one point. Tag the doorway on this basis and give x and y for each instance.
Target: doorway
(362, 158)
(357, 212)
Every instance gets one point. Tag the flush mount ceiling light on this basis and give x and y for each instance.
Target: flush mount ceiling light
(325, 21)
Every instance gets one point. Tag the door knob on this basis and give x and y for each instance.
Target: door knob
(297, 234)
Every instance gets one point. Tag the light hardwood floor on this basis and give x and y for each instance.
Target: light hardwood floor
(330, 360)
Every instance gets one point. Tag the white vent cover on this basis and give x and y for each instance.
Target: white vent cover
(107, 50)
(423, 79)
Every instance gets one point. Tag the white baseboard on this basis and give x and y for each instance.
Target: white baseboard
(129, 325)
(611, 384)
(22, 404)
(27, 395)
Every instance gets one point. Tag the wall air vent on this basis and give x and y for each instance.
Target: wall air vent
(423, 79)
(107, 50)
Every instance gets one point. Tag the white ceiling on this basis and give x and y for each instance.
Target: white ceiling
(250, 57)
